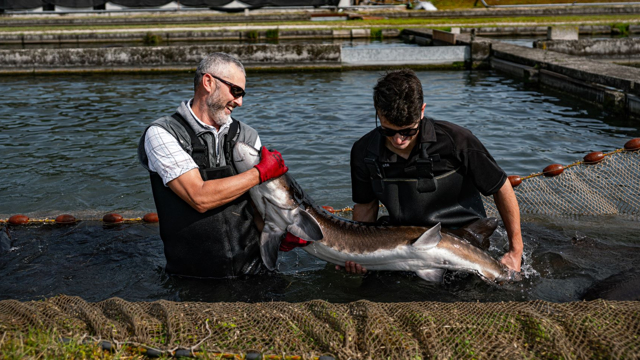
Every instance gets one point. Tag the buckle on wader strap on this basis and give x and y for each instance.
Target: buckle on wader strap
(229, 143)
(199, 150)
(424, 170)
(376, 175)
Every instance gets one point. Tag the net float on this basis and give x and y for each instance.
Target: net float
(593, 157)
(515, 180)
(329, 209)
(633, 144)
(18, 219)
(553, 170)
(151, 218)
(65, 219)
(112, 218)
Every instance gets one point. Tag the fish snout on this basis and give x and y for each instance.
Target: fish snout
(509, 276)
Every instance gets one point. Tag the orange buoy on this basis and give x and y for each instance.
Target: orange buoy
(515, 180)
(593, 157)
(632, 145)
(151, 218)
(553, 170)
(18, 219)
(112, 218)
(65, 219)
(329, 209)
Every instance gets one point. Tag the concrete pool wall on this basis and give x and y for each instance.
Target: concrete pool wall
(611, 86)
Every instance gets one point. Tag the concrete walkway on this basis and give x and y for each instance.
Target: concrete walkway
(144, 30)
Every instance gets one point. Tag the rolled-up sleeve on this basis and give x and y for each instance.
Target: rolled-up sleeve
(166, 156)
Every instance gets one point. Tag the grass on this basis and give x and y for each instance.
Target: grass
(36, 344)
(470, 4)
(577, 19)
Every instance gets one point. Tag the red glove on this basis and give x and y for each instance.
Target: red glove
(271, 165)
(291, 242)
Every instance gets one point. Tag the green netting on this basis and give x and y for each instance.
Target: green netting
(358, 330)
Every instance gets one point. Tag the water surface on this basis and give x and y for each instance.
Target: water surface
(68, 143)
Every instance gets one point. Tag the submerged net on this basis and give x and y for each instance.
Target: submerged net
(358, 330)
(609, 187)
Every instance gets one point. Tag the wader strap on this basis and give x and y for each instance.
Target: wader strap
(229, 141)
(376, 175)
(199, 153)
(424, 170)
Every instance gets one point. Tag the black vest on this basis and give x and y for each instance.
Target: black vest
(422, 199)
(222, 242)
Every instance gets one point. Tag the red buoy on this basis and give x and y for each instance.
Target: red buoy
(112, 218)
(329, 209)
(65, 219)
(593, 157)
(553, 170)
(18, 219)
(515, 180)
(632, 145)
(151, 218)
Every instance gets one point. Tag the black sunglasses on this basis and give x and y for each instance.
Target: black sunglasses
(391, 133)
(403, 132)
(235, 90)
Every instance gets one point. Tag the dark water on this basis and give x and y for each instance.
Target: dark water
(67, 144)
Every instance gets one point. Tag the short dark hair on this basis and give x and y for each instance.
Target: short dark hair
(398, 97)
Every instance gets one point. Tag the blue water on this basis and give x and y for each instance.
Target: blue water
(68, 145)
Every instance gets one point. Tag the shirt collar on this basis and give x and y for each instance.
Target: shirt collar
(205, 127)
(427, 130)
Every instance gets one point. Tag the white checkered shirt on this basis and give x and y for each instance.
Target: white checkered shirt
(167, 157)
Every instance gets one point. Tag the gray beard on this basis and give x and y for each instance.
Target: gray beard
(216, 110)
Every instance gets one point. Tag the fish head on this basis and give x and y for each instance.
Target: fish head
(245, 156)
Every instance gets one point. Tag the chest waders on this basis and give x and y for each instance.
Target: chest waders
(420, 198)
(222, 242)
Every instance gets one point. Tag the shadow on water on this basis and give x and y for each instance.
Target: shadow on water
(564, 261)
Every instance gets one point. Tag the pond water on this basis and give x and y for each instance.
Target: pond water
(67, 145)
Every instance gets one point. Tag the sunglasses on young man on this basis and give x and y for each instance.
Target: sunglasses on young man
(391, 133)
(235, 90)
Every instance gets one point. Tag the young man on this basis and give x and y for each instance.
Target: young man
(426, 171)
(206, 220)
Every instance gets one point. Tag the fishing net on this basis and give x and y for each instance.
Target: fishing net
(608, 187)
(359, 330)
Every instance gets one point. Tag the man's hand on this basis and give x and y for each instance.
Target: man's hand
(291, 242)
(512, 260)
(271, 164)
(352, 268)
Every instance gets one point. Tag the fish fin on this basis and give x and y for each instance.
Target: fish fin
(429, 238)
(305, 227)
(270, 242)
(477, 233)
(432, 275)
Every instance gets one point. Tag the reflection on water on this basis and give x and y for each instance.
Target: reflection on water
(67, 144)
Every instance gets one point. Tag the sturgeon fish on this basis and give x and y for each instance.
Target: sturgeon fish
(426, 251)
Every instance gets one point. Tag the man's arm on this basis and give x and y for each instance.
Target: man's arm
(206, 195)
(507, 205)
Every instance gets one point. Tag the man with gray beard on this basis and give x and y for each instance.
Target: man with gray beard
(206, 218)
